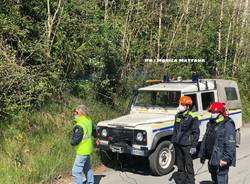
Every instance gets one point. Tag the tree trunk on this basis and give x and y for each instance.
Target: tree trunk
(243, 27)
(177, 27)
(159, 31)
(220, 26)
(52, 24)
(227, 45)
(228, 37)
(219, 35)
(187, 26)
(203, 17)
(239, 45)
(49, 27)
(106, 5)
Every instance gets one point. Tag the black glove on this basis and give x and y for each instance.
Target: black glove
(202, 160)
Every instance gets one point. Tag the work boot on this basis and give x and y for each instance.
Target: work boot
(190, 179)
(181, 178)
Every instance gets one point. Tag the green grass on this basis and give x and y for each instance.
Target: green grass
(35, 147)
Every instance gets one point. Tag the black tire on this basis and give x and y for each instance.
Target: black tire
(156, 163)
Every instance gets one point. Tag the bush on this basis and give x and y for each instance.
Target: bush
(23, 87)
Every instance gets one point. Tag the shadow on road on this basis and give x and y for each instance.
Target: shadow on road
(178, 177)
(97, 179)
(127, 163)
(206, 182)
(133, 164)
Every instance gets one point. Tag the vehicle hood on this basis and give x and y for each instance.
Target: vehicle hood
(135, 119)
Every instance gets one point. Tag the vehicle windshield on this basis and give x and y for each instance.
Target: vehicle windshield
(164, 99)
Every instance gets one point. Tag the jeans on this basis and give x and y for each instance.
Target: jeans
(219, 175)
(82, 164)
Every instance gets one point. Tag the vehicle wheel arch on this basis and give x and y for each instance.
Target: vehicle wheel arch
(159, 138)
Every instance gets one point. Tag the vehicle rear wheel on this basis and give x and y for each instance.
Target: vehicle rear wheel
(161, 161)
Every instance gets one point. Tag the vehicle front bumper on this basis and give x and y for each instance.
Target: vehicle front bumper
(123, 148)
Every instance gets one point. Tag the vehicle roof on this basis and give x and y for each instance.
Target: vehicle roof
(183, 86)
(187, 86)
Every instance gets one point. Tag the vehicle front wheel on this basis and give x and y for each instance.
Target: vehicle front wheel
(161, 161)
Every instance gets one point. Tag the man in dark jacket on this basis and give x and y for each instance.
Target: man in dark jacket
(185, 139)
(219, 144)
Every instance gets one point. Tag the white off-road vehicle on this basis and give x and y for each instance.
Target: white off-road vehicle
(146, 131)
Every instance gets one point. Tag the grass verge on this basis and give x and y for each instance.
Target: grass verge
(34, 146)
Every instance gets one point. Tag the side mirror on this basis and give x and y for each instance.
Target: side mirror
(135, 90)
(134, 94)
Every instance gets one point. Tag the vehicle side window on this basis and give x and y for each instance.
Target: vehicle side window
(158, 98)
(231, 93)
(194, 107)
(168, 98)
(207, 100)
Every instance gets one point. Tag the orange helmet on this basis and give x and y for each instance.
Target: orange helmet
(186, 100)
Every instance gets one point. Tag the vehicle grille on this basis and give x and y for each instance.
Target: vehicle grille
(121, 135)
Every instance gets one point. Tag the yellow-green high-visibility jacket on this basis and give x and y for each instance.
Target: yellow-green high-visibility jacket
(85, 147)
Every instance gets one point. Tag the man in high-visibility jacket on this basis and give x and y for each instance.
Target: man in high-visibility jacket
(185, 139)
(82, 140)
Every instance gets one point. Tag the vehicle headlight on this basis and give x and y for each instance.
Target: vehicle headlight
(139, 136)
(104, 132)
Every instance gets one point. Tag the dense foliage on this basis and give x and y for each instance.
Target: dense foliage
(99, 47)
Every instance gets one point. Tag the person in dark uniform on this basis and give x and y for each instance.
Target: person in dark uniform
(219, 144)
(185, 139)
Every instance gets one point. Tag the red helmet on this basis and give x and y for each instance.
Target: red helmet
(218, 107)
(185, 100)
